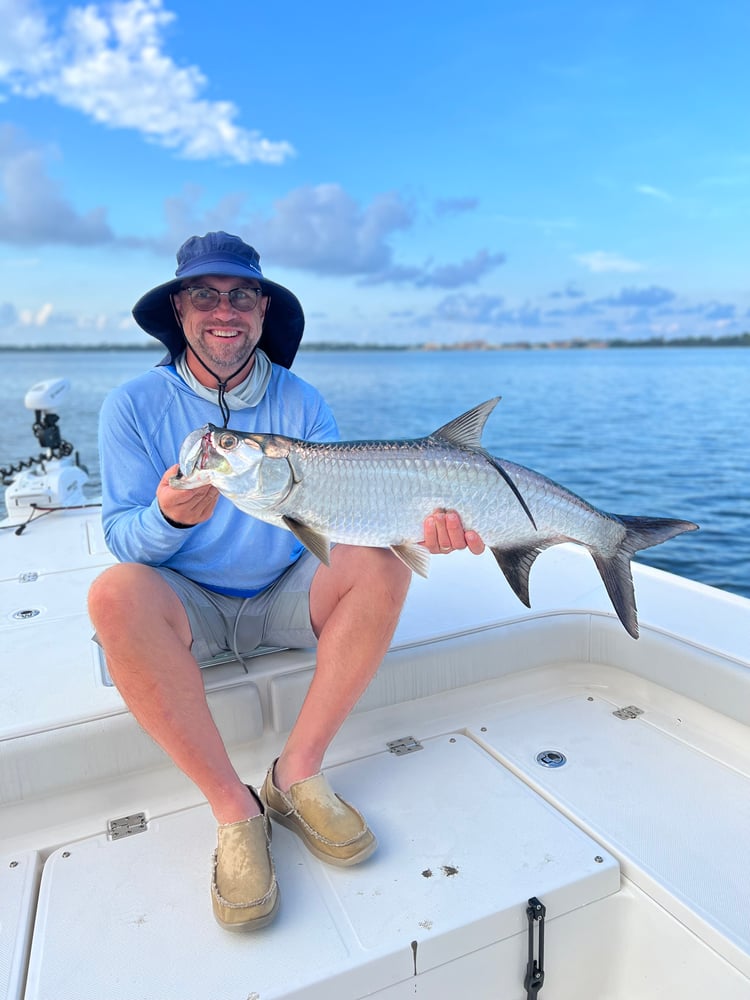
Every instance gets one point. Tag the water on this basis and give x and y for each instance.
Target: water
(634, 431)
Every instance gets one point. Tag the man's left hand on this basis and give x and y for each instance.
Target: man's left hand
(444, 532)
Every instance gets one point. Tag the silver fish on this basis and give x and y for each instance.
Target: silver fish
(379, 492)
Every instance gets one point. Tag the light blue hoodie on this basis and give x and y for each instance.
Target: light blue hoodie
(141, 428)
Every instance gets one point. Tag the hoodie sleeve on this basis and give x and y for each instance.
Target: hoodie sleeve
(131, 466)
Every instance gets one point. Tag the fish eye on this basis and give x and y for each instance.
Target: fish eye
(227, 441)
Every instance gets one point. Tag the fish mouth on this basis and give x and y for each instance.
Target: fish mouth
(196, 452)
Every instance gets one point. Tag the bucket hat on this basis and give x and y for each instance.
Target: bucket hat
(222, 254)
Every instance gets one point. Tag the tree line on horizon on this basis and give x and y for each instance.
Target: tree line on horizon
(728, 340)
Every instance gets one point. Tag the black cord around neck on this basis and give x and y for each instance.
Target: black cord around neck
(222, 385)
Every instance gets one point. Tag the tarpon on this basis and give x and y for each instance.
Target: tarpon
(378, 493)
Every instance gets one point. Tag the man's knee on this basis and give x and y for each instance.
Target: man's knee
(381, 573)
(125, 592)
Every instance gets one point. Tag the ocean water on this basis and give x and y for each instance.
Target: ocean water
(662, 432)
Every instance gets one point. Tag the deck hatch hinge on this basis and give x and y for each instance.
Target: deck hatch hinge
(534, 979)
(628, 712)
(126, 826)
(406, 744)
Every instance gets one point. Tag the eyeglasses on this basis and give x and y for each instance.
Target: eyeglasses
(205, 298)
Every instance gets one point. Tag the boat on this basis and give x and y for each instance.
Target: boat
(562, 810)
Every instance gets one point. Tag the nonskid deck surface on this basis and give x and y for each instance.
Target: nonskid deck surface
(465, 839)
(463, 846)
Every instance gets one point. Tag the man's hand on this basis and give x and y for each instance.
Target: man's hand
(185, 507)
(443, 532)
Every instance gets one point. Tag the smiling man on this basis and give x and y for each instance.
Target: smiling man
(198, 578)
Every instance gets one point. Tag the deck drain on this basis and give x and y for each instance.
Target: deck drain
(551, 758)
(25, 613)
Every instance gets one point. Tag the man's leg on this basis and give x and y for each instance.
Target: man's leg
(354, 608)
(145, 634)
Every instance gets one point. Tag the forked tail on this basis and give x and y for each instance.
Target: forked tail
(641, 533)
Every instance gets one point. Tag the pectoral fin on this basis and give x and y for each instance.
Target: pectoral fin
(317, 543)
(416, 557)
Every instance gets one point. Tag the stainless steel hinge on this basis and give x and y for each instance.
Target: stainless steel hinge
(628, 712)
(126, 826)
(406, 744)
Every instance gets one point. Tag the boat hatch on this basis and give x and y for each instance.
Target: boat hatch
(463, 846)
(19, 881)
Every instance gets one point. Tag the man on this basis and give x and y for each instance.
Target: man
(197, 577)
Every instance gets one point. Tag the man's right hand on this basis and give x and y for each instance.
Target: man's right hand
(185, 507)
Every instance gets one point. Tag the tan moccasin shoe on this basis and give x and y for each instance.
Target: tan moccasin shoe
(244, 891)
(332, 829)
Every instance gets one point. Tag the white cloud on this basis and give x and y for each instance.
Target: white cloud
(323, 229)
(653, 192)
(603, 262)
(109, 63)
(32, 208)
(37, 318)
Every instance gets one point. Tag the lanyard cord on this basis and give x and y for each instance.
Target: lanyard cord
(222, 386)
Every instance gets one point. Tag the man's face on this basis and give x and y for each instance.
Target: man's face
(225, 336)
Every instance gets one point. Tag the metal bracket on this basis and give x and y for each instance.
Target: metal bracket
(126, 826)
(628, 712)
(406, 744)
(534, 980)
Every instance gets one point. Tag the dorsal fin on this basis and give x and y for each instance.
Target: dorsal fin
(466, 431)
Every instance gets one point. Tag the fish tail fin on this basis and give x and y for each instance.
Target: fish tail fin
(615, 571)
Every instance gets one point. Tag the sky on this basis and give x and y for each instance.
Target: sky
(415, 172)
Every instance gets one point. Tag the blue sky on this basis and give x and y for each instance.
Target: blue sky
(414, 172)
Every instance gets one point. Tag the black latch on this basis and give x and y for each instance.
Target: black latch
(535, 913)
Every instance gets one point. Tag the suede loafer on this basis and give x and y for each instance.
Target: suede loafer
(333, 830)
(244, 891)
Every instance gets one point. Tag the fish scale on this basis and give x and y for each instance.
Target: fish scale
(380, 492)
(380, 496)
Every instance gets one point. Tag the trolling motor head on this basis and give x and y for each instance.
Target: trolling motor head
(41, 398)
(52, 479)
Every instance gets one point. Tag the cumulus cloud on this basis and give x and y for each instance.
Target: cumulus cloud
(465, 272)
(108, 62)
(639, 298)
(488, 310)
(323, 229)
(720, 311)
(603, 262)
(33, 210)
(472, 308)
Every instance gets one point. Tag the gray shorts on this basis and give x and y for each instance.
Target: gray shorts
(280, 616)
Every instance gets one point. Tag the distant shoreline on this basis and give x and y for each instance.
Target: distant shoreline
(736, 340)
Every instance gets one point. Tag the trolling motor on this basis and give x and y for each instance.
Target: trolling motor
(54, 478)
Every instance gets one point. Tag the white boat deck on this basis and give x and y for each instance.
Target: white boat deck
(635, 844)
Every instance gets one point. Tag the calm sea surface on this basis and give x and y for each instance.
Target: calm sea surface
(635, 431)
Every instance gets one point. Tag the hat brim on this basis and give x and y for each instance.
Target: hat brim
(283, 325)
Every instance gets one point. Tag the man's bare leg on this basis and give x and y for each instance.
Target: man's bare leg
(146, 637)
(354, 607)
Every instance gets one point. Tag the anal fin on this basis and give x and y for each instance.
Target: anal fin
(516, 565)
(416, 557)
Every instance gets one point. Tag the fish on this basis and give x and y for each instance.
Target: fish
(378, 493)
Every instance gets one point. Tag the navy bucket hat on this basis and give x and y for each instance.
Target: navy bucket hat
(229, 256)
